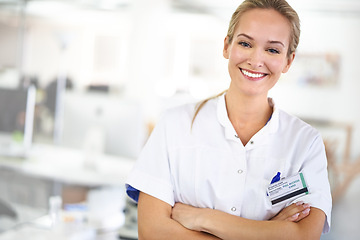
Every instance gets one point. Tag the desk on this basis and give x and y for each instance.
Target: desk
(40, 230)
(59, 166)
(68, 165)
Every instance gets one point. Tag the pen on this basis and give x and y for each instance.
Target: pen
(276, 178)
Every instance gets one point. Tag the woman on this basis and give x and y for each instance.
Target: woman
(205, 172)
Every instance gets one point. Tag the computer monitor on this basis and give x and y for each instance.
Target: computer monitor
(121, 121)
(17, 107)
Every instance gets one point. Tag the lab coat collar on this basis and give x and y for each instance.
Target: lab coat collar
(224, 120)
(274, 121)
(230, 133)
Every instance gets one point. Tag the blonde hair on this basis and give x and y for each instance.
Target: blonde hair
(202, 103)
(282, 7)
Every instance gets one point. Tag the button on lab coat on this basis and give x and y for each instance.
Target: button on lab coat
(206, 165)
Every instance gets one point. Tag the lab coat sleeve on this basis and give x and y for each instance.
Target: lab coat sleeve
(151, 172)
(315, 173)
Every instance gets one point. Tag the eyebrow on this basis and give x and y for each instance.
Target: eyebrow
(277, 42)
(247, 36)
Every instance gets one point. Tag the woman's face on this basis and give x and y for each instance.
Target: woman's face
(258, 52)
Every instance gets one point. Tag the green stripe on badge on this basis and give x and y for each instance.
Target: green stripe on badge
(303, 181)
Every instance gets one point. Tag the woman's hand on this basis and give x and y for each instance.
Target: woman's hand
(293, 213)
(190, 217)
(187, 215)
(294, 220)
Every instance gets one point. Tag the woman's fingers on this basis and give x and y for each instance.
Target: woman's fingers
(293, 218)
(185, 215)
(299, 216)
(294, 213)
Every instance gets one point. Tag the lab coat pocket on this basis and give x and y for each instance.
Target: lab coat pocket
(270, 209)
(212, 177)
(182, 169)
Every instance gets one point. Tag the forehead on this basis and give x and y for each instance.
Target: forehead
(264, 24)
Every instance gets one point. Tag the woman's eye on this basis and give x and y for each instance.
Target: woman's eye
(244, 44)
(272, 50)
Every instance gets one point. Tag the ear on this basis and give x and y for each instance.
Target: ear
(226, 47)
(289, 62)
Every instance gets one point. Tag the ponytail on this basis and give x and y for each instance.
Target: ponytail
(200, 105)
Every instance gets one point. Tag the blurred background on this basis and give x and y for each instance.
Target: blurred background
(83, 82)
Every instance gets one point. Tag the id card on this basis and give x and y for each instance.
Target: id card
(287, 188)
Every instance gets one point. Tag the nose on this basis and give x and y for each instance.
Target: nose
(256, 58)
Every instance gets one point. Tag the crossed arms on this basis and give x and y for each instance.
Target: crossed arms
(159, 220)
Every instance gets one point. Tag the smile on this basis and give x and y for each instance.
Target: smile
(252, 74)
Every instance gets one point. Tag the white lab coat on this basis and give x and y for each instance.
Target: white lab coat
(208, 166)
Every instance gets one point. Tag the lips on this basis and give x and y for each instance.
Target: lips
(253, 75)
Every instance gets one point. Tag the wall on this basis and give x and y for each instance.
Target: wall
(328, 33)
(160, 52)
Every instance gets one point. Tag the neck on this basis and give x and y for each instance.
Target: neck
(247, 110)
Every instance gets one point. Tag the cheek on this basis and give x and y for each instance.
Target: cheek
(276, 66)
(236, 55)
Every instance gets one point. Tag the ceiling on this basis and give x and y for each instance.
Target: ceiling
(218, 7)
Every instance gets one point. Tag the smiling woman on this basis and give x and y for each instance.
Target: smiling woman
(207, 171)
(258, 54)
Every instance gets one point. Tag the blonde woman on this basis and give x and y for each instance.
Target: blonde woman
(236, 166)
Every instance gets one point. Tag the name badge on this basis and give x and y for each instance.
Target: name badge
(287, 188)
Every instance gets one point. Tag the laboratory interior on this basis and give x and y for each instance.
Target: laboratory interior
(84, 82)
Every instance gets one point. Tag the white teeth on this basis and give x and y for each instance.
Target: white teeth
(252, 75)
